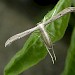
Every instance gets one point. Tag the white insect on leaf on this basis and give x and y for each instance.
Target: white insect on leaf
(41, 27)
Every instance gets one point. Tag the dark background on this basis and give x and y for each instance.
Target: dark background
(19, 15)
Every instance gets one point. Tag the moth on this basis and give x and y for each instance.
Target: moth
(41, 26)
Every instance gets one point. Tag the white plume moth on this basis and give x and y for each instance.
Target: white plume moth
(41, 27)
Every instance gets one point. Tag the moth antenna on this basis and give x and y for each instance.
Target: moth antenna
(51, 33)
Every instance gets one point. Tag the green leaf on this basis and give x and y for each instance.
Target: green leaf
(73, 3)
(70, 60)
(34, 50)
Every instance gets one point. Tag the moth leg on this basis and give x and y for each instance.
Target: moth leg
(48, 49)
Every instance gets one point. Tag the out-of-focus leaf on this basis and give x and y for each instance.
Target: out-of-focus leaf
(70, 60)
(34, 50)
(73, 3)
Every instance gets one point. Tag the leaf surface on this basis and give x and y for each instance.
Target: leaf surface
(70, 60)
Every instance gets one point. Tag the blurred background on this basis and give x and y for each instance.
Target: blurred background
(19, 15)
